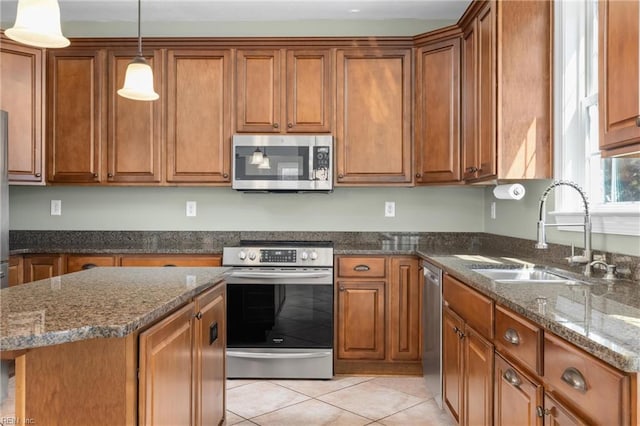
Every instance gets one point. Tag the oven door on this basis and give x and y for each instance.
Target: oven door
(280, 308)
(281, 163)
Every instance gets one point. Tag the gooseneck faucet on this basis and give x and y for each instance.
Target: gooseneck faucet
(587, 255)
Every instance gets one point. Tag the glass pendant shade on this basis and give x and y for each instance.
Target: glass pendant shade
(265, 163)
(257, 157)
(138, 81)
(38, 24)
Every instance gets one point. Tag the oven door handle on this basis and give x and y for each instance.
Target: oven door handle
(280, 275)
(271, 355)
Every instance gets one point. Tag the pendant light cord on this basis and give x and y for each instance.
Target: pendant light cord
(139, 33)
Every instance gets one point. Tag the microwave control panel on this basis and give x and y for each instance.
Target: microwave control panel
(321, 162)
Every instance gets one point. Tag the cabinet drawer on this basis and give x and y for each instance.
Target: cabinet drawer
(473, 307)
(79, 263)
(361, 267)
(597, 390)
(519, 338)
(171, 260)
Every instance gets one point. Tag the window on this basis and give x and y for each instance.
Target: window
(612, 184)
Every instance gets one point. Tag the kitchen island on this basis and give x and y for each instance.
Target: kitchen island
(117, 346)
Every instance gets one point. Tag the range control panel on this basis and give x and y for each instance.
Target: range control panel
(276, 256)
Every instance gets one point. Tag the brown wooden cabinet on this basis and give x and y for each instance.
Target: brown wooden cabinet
(21, 95)
(373, 127)
(467, 362)
(40, 267)
(16, 270)
(619, 67)
(437, 112)
(377, 315)
(76, 113)
(170, 260)
(507, 58)
(134, 128)
(83, 262)
(198, 116)
(557, 414)
(283, 90)
(517, 397)
(182, 364)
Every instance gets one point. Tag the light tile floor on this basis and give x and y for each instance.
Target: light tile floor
(342, 401)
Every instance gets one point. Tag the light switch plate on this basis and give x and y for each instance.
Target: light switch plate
(56, 207)
(389, 208)
(191, 208)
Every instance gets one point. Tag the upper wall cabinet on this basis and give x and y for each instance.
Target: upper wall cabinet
(198, 116)
(506, 90)
(619, 76)
(21, 87)
(437, 113)
(373, 127)
(75, 115)
(134, 133)
(281, 91)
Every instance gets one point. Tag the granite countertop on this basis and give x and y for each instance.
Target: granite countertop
(600, 316)
(100, 302)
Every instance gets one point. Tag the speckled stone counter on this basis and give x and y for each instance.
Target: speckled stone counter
(602, 317)
(100, 302)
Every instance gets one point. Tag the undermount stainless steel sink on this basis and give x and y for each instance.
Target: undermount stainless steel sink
(523, 276)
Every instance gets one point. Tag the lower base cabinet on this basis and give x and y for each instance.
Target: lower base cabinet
(517, 398)
(182, 365)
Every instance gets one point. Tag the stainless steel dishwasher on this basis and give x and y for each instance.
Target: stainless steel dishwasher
(432, 330)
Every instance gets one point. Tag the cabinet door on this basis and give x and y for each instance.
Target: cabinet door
(517, 398)
(16, 270)
(373, 127)
(134, 127)
(452, 385)
(486, 114)
(41, 267)
(361, 320)
(165, 371)
(619, 67)
(308, 89)
(210, 377)
(478, 379)
(404, 309)
(437, 119)
(171, 260)
(198, 116)
(258, 91)
(83, 262)
(21, 86)
(75, 115)
(469, 102)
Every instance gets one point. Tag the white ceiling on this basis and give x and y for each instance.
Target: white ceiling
(249, 10)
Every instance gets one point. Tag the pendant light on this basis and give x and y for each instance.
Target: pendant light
(38, 24)
(256, 157)
(265, 164)
(138, 80)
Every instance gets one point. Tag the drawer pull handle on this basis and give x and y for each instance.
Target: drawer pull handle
(574, 378)
(361, 268)
(169, 265)
(88, 266)
(512, 378)
(512, 336)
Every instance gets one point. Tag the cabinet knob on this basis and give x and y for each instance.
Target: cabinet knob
(471, 169)
(541, 412)
(418, 175)
(512, 336)
(95, 176)
(198, 315)
(340, 175)
(225, 175)
(290, 125)
(38, 175)
(574, 378)
(342, 288)
(275, 125)
(109, 175)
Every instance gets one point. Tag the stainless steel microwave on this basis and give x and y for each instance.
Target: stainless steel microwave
(283, 162)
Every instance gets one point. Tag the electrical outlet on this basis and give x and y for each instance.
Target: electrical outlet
(56, 207)
(493, 210)
(389, 208)
(191, 208)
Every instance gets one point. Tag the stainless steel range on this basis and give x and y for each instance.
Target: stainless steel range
(280, 310)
